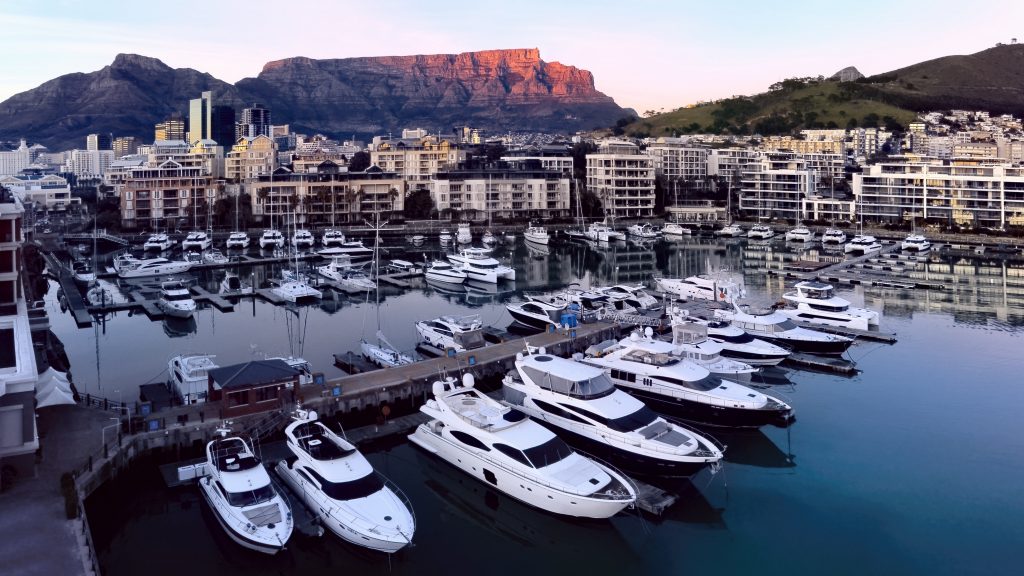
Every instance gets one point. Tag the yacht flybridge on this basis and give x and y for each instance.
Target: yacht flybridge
(692, 342)
(302, 238)
(196, 241)
(833, 236)
(477, 265)
(916, 243)
(862, 244)
(537, 314)
(238, 240)
(800, 234)
(188, 376)
(815, 302)
(332, 477)
(633, 295)
(650, 370)
(242, 497)
(158, 242)
(271, 238)
(777, 327)
(176, 300)
(332, 237)
(580, 401)
(735, 343)
(503, 448)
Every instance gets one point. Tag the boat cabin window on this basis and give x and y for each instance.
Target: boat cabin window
(469, 440)
(554, 450)
(470, 340)
(628, 423)
(351, 490)
(742, 338)
(709, 382)
(250, 497)
(784, 326)
(597, 387)
(828, 308)
(513, 453)
(623, 375)
(178, 296)
(552, 409)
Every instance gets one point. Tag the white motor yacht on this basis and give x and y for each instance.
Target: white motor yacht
(675, 229)
(382, 353)
(489, 238)
(302, 239)
(356, 280)
(242, 497)
(800, 234)
(816, 302)
(633, 295)
(238, 241)
(778, 328)
(537, 314)
(232, 284)
(330, 476)
(601, 232)
(196, 241)
(537, 234)
(188, 376)
(463, 234)
(83, 273)
(643, 231)
(760, 231)
(332, 237)
(176, 300)
(579, 402)
(702, 287)
(862, 244)
(503, 448)
(479, 266)
(354, 249)
(735, 342)
(158, 242)
(730, 230)
(692, 342)
(649, 369)
(336, 268)
(214, 256)
(444, 272)
(916, 243)
(128, 267)
(271, 238)
(833, 236)
(452, 333)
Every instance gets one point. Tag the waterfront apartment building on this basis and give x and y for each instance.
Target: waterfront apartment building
(729, 164)
(480, 190)
(415, 159)
(168, 195)
(973, 192)
(550, 157)
(19, 438)
(250, 158)
(777, 187)
(48, 191)
(678, 160)
(623, 178)
(804, 146)
(325, 196)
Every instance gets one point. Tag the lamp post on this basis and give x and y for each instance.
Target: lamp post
(117, 422)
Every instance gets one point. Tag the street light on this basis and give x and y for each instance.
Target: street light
(117, 422)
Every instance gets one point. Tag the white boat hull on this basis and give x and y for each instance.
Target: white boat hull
(258, 542)
(445, 277)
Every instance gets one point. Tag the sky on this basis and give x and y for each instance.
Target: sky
(646, 54)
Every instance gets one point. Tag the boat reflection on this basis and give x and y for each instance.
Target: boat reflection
(179, 327)
(755, 448)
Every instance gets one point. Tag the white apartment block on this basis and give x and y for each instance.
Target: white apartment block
(167, 196)
(44, 191)
(12, 162)
(622, 178)
(89, 162)
(983, 193)
(679, 160)
(415, 160)
(502, 190)
(326, 197)
(250, 158)
(825, 165)
(777, 187)
(729, 164)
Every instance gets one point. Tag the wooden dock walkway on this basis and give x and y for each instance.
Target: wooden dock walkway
(218, 301)
(148, 306)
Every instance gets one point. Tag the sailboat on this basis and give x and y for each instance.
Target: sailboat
(293, 286)
(578, 231)
(488, 237)
(237, 239)
(862, 243)
(730, 229)
(383, 353)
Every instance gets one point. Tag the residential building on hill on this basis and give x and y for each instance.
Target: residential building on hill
(623, 178)
(777, 187)
(677, 159)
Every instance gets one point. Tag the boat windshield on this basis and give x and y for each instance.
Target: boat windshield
(250, 497)
(470, 340)
(635, 421)
(175, 296)
(597, 387)
(351, 490)
(548, 453)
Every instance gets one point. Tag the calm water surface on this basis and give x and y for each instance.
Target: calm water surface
(913, 466)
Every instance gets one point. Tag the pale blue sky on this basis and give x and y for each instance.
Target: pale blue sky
(646, 54)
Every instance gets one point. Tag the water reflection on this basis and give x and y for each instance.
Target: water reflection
(755, 448)
(179, 327)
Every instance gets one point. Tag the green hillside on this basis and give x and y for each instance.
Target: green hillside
(793, 104)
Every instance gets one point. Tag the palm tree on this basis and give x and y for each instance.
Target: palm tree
(392, 195)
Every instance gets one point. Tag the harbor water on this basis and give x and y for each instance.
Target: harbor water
(910, 467)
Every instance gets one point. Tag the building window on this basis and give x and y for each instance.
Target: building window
(267, 393)
(8, 351)
(237, 398)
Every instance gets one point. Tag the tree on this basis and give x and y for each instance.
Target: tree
(419, 204)
(360, 162)
(579, 153)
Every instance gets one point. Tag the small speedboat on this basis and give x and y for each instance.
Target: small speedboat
(176, 300)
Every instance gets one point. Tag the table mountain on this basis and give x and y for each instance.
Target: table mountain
(495, 90)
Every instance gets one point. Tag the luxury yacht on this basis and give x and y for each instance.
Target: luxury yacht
(537, 234)
(815, 302)
(644, 231)
(537, 314)
(693, 343)
(601, 232)
(735, 342)
(675, 229)
(503, 448)
(303, 239)
(730, 230)
(454, 333)
(158, 242)
(128, 267)
(330, 476)
(635, 296)
(332, 237)
(800, 234)
(188, 376)
(463, 234)
(916, 242)
(479, 266)
(760, 231)
(833, 236)
(444, 272)
(702, 287)
(777, 327)
(196, 241)
(271, 239)
(238, 240)
(242, 497)
(649, 370)
(232, 284)
(580, 403)
(356, 280)
(176, 300)
(862, 244)
(354, 249)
